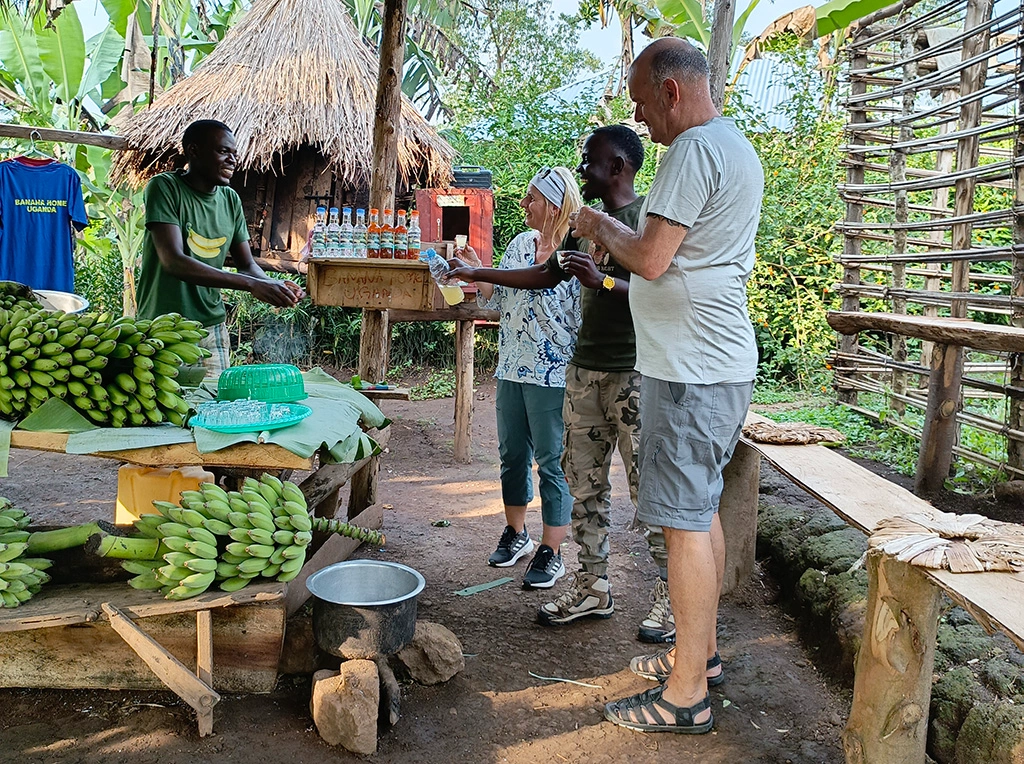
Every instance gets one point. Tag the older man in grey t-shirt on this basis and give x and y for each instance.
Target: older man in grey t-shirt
(691, 257)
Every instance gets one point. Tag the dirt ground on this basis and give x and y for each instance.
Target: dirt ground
(774, 708)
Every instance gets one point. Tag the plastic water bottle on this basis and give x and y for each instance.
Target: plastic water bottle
(359, 235)
(438, 266)
(319, 248)
(414, 235)
(333, 235)
(345, 233)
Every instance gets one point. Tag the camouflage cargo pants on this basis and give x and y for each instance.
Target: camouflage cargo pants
(601, 409)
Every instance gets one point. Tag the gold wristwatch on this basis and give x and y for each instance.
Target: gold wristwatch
(608, 283)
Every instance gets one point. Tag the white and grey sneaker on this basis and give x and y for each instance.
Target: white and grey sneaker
(545, 568)
(588, 596)
(512, 546)
(659, 625)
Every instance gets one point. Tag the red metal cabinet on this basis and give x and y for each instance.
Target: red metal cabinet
(447, 212)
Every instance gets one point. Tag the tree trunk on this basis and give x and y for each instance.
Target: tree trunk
(720, 50)
(893, 683)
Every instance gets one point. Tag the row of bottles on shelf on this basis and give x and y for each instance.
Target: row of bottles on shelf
(381, 238)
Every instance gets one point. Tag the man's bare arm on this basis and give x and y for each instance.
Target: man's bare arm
(648, 254)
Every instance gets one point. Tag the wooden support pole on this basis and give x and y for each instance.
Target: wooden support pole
(720, 50)
(167, 668)
(374, 338)
(738, 512)
(1015, 413)
(363, 492)
(389, 105)
(204, 647)
(939, 433)
(893, 682)
(464, 334)
(852, 244)
(113, 142)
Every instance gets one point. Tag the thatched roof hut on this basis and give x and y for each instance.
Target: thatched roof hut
(297, 85)
(291, 73)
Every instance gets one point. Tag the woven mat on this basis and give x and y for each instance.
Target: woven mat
(944, 541)
(791, 433)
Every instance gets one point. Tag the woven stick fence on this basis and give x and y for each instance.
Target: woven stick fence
(934, 198)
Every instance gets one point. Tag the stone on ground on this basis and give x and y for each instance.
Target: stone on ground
(345, 705)
(433, 656)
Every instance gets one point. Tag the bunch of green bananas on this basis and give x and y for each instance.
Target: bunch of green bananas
(115, 371)
(20, 576)
(14, 295)
(230, 538)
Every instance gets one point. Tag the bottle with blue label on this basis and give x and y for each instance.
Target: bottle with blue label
(319, 247)
(333, 234)
(345, 233)
(359, 235)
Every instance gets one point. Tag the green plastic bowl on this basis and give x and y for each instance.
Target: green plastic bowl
(267, 382)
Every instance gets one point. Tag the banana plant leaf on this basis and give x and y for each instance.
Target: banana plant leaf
(62, 51)
(20, 56)
(839, 14)
(5, 445)
(55, 416)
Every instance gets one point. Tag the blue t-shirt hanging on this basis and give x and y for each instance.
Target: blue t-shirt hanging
(39, 202)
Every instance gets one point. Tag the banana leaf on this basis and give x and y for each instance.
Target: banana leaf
(55, 416)
(5, 445)
(839, 14)
(62, 51)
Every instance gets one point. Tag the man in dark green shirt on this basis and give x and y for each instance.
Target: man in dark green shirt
(602, 388)
(193, 220)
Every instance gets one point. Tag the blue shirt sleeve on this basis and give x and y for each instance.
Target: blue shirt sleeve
(76, 204)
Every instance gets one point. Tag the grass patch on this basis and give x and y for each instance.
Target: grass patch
(439, 384)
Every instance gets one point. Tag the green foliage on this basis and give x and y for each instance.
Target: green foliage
(520, 126)
(863, 438)
(791, 288)
(439, 384)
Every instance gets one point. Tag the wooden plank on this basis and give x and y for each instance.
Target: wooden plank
(893, 677)
(115, 142)
(247, 644)
(204, 646)
(371, 284)
(329, 478)
(947, 331)
(335, 549)
(464, 333)
(398, 394)
(862, 498)
(266, 456)
(167, 668)
(466, 311)
(81, 603)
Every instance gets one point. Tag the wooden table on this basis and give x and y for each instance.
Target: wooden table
(74, 636)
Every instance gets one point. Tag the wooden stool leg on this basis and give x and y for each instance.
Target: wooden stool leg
(940, 427)
(738, 512)
(464, 332)
(893, 682)
(204, 665)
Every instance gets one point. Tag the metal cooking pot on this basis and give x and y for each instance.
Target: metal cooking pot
(364, 608)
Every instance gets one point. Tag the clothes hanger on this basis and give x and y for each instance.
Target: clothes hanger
(33, 151)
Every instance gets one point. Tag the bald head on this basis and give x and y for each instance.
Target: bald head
(668, 82)
(672, 58)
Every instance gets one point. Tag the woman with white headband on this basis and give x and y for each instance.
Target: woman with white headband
(536, 339)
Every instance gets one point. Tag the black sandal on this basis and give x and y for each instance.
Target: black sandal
(650, 712)
(657, 667)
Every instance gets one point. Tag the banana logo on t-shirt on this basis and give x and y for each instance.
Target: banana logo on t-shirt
(203, 247)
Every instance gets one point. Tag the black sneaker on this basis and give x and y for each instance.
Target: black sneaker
(545, 568)
(512, 546)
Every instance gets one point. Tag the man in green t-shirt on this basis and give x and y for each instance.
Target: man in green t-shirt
(602, 389)
(193, 220)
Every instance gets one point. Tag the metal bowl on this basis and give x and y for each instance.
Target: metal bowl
(364, 608)
(51, 299)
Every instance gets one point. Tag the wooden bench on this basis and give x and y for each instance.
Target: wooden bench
(893, 675)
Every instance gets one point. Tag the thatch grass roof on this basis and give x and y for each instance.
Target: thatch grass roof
(292, 72)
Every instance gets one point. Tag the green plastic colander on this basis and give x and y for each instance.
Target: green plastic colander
(267, 382)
